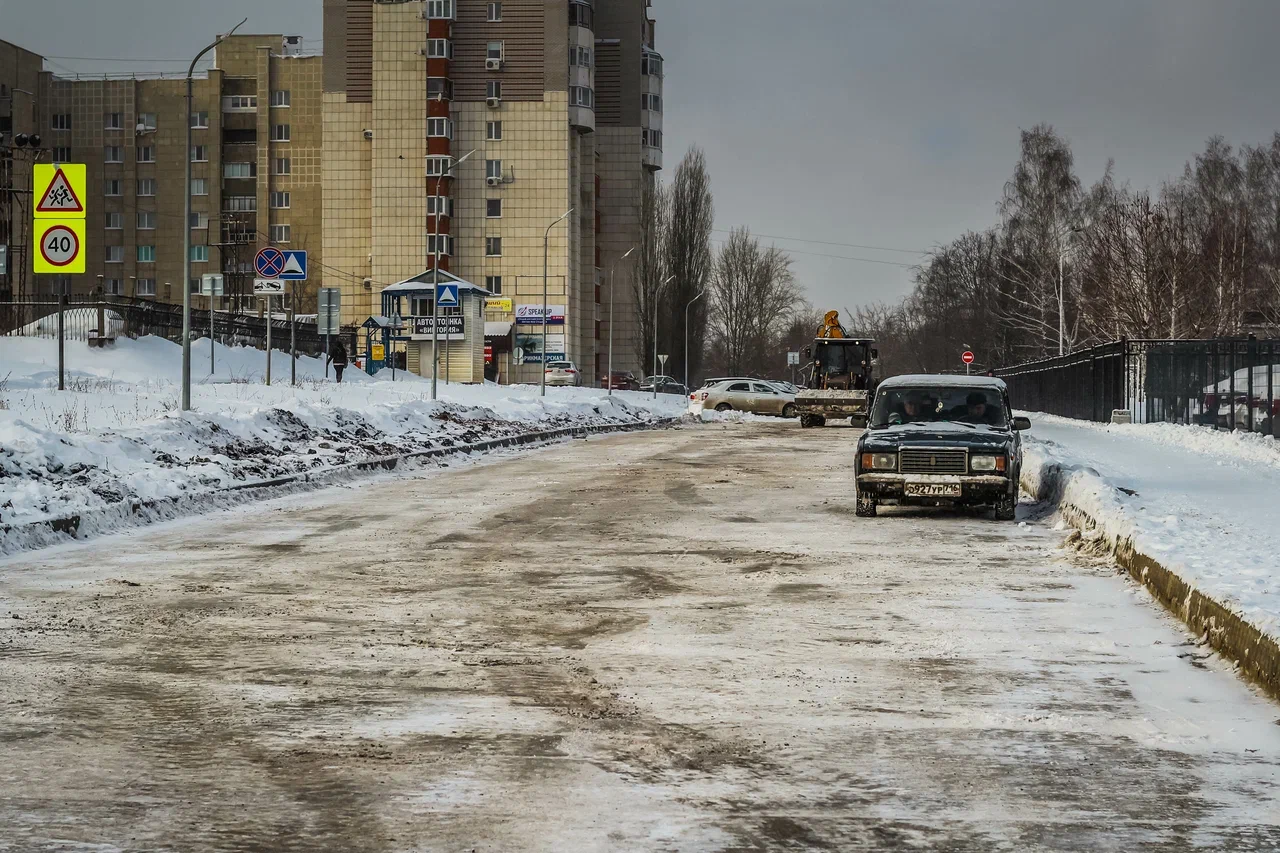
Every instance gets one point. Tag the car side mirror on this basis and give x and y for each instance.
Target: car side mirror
(1021, 424)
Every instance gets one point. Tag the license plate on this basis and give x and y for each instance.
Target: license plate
(932, 490)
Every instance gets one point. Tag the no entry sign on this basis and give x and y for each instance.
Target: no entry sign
(967, 357)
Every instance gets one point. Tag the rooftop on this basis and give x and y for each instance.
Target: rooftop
(937, 380)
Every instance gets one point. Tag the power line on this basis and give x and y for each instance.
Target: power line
(114, 59)
(830, 243)
(898, 264)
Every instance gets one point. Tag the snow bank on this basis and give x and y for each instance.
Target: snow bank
(115, 436)
(1200, 502)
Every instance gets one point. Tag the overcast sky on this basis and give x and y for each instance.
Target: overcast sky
(886, 123)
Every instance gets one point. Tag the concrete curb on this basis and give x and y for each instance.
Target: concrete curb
(39, 534)
(1256, 653)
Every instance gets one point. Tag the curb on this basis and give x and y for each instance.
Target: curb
(1255, 653)
(52, 530)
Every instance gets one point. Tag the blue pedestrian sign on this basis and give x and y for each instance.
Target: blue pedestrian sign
(282, 265)
(447, 295)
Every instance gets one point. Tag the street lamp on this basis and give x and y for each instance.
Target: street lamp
(659, 289)
(686, 337)
(435, 273)
(546, 242)
(186, 239)
(609, 376)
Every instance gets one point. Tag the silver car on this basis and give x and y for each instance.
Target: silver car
(742, 395)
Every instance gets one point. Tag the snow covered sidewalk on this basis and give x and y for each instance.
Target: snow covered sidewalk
(114, 437)
(1203, 504)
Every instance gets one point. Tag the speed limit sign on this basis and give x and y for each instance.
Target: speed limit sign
(60, 245)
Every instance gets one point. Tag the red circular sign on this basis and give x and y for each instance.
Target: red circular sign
(59, 246)
(967, 358)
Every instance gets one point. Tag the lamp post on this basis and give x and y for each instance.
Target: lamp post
(435, 274)
(546, 254)
(609, 376)
(656, 292)
(686, 337)
(186, 238)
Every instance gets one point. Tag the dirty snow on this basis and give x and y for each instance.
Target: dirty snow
(1202, 502)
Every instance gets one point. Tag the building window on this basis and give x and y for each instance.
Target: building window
(439, 205)
(115, 222)
(145, 287)
(493, 131)
(439, 88)
(579, 15)
(111, 186)
(445, 242)
(493, 247)
(115, 254)
(440, 127)
(650, 101)
(437, 9)
(113, 154)
(439, 49)
(580, 96)
(280, 233)
(199, 221)
(200, 254)
(240, 203)
(493, 89)
(146, 220)
(280, 201)
(146, 186)
(146, 254)
(284, 166)
(62, 121)
(146, 153)
(147, 121)
(199, 153)
(493, 169)
(239, 170)
(495, 12)
(200, 121)
(495, 50)
(651, 64)
(199, 186)
(239, 103)
(493, 208)
(438, 166)
(493, 284)
(113, 287)
(580, 56)
(193, 285)
(280, 133)
(113, 121)
(62, 155)
(281, 98)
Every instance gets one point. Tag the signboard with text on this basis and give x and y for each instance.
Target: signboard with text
(451, 328)
(499, 303)
(531, 315)
(531, 344)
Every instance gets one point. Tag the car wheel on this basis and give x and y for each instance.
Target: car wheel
(789, 410)
(724, 407)
(1007, 506)
(858, 422)
(866, 507)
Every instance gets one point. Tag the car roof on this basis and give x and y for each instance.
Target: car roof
(943, 380)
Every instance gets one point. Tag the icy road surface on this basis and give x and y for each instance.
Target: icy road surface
(675, 641)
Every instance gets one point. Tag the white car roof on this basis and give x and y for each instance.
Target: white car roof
(943, 380)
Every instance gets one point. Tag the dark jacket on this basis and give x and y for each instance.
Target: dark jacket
(338, 355)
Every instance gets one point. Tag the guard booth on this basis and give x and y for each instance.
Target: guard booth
(460, 336)
(380, 336)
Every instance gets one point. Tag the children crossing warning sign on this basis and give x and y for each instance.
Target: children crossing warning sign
(60, 188)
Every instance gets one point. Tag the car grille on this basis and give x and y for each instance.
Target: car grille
(933, 462)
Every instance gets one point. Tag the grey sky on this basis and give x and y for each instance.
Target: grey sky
(881, 122)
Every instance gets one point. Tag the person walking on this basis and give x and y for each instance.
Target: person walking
(338, 358)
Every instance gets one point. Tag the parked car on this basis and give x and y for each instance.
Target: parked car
(623, 380)
(666, 385)
(940, 441)
(754, 395)
(562, 373)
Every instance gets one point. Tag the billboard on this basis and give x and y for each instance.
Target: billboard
(451, 328)
(531, 315)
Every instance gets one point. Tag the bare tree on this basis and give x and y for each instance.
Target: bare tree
(755, 298)
(688, 257)
(650, 269)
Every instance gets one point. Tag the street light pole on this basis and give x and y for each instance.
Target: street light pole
(546, 254)
(435, 275)
(686, 337)
(609, 376)
(186, 238)
(656, 293)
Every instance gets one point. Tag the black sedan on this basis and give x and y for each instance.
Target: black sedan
(941, 441)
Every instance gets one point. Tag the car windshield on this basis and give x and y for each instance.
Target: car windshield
(932, 404)
(560, 365)
(839, 358)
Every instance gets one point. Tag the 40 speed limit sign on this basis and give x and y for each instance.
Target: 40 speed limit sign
(59, 246)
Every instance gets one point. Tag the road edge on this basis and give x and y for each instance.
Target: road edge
(1255, 653)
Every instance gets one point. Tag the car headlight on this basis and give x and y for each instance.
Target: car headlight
(987, 463)
(879, 461)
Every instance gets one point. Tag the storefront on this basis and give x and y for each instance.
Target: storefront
(457, 329)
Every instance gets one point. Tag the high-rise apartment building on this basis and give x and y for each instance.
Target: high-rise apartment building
(555, 106)
(23, 97)
(255, 157)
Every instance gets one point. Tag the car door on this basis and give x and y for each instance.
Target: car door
(738, 395)
(765, 399)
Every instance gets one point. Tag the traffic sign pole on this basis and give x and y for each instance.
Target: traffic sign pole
(268, 340)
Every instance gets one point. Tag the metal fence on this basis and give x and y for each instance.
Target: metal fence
(1227, 383)
(86, 317)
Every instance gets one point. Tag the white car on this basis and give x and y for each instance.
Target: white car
(563, 373)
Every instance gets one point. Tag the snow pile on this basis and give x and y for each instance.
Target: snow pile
(1199, 501)
(115, 436)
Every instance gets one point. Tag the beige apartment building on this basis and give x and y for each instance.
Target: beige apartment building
(255, 154)
(558, 105)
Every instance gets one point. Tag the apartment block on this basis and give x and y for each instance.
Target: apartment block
(255, 157)
(464, 130)
(24, 87)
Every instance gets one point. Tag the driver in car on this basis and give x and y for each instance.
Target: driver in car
(977, 410)
(912, 408)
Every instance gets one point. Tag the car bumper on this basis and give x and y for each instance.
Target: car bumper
(562, 381)
(974, 488)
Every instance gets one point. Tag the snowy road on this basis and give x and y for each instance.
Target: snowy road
(677, 641)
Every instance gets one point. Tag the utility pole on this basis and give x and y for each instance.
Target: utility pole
(609, 376)
(546, 320)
